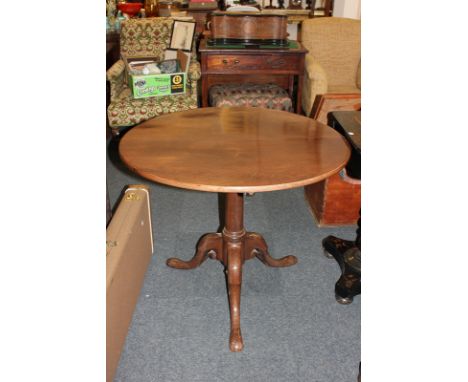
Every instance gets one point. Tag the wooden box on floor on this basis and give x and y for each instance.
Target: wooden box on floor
(129, 248)
(335, 201)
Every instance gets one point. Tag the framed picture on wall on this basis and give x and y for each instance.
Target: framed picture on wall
(182, 35)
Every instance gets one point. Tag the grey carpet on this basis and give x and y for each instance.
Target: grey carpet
(293, 329)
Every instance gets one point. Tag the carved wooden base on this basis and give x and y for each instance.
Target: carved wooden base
(232, 247)
(348, 255)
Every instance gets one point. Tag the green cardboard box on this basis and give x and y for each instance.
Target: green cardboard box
(157, 85)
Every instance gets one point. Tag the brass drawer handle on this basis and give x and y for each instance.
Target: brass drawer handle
(236, 61)
(225, 61)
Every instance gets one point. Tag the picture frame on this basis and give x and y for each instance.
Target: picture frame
(182, 36)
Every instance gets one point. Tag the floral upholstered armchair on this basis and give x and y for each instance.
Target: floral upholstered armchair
(144, 38)
(333, 64)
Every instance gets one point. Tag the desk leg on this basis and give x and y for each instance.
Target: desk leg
(291, 93)
(299, 94)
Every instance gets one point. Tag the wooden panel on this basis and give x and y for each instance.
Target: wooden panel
(128, 253)
(253, 64)
(217, 79)
(248, 26)
(201, 17)
(335, 201)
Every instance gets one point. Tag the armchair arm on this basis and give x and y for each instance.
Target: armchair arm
(315, 82)
(194, 74)
(358, 76)
(194, 71)
(116, 77)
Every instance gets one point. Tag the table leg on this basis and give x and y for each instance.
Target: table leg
(255, 245)
(234, 243)
(234, 277)
(209, 245)
(232, 247)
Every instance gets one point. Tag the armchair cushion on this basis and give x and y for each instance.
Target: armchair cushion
(127, 111)
(334, 57)
(335, 42)
(147, 37)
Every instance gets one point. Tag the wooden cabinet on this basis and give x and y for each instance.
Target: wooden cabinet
(201, 16)
(337, 200)
(283, 67)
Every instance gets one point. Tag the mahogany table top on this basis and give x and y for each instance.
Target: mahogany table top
(237, 149)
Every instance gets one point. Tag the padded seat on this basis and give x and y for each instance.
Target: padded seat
(268, 96)
(333, 63)
(127, 111)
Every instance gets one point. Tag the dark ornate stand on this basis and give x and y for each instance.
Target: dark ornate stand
(348, 255)
(232, 247)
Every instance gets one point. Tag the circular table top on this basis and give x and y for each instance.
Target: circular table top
(237, 149)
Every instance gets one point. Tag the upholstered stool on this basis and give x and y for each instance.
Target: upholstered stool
(268, 96)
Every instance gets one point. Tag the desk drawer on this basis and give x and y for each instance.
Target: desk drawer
(226, 62)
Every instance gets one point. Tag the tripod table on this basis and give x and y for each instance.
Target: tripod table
(233, 151)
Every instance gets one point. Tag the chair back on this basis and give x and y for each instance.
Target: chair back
(335, 42)
(146, 37)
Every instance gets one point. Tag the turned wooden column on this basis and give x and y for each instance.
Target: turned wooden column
(233, 258)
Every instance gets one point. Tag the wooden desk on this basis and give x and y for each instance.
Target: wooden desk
(278, 66)
(232, 151)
